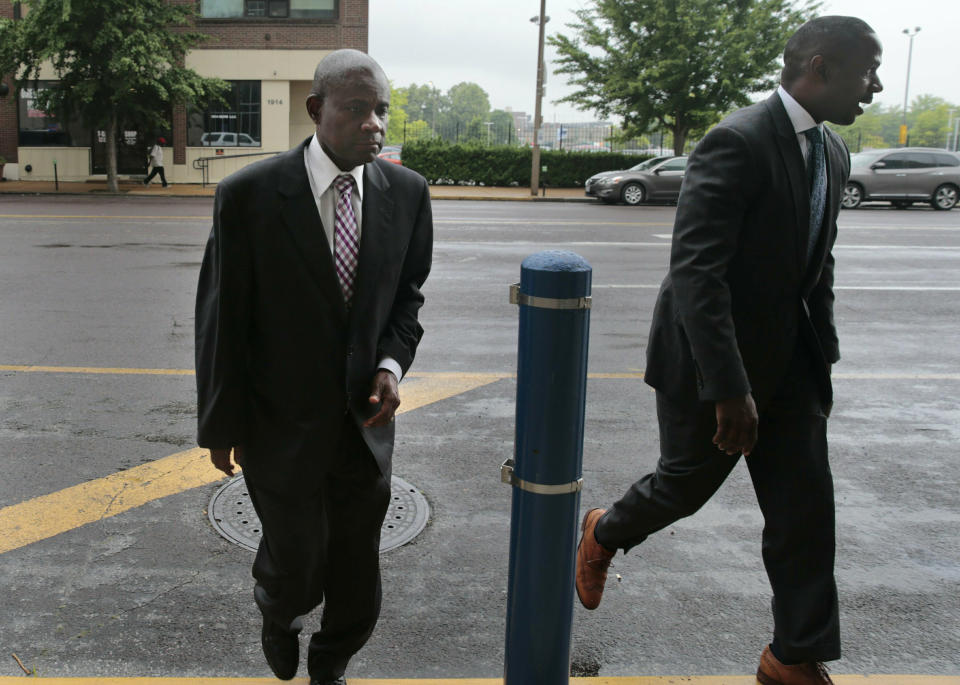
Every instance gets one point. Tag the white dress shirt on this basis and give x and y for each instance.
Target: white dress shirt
(801, 120)
(322, 172)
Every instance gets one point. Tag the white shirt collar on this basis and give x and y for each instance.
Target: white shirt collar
(799, 117)
(324, 171)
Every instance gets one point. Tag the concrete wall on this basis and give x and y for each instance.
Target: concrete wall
(300, 124)
(73, 163)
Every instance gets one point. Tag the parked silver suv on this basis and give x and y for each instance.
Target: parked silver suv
(904, 176)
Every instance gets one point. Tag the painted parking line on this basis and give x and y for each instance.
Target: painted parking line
(625, 680)
(27, 368)
(446, 376)
(456, 222)
(466, 378)
(103, 217)
(58, 512)
(889, 288)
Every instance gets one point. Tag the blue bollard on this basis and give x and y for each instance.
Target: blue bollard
(554, 299)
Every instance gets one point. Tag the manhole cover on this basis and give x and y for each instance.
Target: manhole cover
(232, 515)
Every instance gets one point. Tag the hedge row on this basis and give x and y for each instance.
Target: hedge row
(453, 164)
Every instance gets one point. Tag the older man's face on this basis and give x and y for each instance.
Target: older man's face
(352, 120)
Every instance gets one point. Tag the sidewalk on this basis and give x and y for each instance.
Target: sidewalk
(136, 189)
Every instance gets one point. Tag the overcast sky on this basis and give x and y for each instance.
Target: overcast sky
(493, 43)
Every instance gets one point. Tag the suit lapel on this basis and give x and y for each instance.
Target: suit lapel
(374, 236)
(300, 216)
(796, 173)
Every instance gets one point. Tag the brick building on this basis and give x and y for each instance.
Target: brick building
(267, 51)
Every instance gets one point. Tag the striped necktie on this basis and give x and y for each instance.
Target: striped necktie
(346, 241)
(817, 177)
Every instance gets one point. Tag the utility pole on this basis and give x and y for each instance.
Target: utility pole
(541, 20)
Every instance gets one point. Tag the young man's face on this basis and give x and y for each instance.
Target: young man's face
(352, 120)
(852, 81)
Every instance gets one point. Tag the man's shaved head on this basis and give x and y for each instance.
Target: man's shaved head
(831, 37)
(335, 70)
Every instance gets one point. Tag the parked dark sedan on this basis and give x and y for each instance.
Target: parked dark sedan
(658, 178)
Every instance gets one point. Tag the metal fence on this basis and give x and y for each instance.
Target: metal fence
(584, 137)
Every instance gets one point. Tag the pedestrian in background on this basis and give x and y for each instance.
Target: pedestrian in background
(743, 339)
(156, 160)
(307, 318)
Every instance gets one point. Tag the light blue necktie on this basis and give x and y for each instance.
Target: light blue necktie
(817, 177)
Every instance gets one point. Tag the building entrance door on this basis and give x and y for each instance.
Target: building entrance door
(131, 152)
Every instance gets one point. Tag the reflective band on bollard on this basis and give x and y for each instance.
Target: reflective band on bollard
(554, 302)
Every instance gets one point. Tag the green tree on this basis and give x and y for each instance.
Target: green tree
(426, 103)
(117, 61)
(397, 121)
(674, 64)
(503, 129)
(879, 126)
(467, 103)
(928, 121)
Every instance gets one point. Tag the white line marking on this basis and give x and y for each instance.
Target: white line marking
(938, 248)
(893, 288)
(545, 244)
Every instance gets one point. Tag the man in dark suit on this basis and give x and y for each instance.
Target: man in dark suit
(306, 320)
(743, 338)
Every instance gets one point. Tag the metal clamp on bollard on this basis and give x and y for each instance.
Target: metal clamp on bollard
(508, 476)
(546, 469)
(518, 298)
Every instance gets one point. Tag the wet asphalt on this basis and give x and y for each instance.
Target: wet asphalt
(156, 592)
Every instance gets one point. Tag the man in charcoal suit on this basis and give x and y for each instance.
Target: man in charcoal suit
(306, 320)
(743, 339)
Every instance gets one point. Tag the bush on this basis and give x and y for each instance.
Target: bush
(471, 164)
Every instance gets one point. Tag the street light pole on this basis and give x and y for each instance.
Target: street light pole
(542, 20)
(948, 145)
(906, 91)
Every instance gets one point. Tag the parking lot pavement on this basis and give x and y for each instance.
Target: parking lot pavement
(97, 416)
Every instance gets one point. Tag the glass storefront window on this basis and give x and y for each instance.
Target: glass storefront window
(38, 127)
(235, 125)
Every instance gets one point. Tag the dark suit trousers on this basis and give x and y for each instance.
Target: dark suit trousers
(321, 543)
(791, 476)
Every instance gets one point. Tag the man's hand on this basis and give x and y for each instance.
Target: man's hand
(736, 425)
(385, 393)
(221, 458)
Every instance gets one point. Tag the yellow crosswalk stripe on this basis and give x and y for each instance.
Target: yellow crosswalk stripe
(48, 515)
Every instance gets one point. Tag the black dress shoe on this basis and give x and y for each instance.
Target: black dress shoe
(336, 681)
(281, 647)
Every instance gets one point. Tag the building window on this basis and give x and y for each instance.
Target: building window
(256, 8)
(236, 124)
(313, 9)
(273, 9)
(38, 127)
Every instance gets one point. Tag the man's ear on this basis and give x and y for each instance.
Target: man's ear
(818, 68)
(313, 108)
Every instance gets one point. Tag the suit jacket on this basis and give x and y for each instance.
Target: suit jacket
(279, 359)
(740, 292)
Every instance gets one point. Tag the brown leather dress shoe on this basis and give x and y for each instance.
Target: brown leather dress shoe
(593, 560)
(772, 672)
